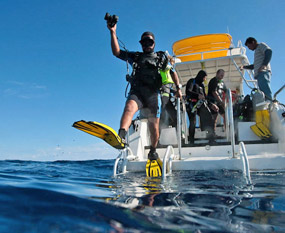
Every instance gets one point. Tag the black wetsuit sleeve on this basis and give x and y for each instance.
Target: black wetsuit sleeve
(126, 56)
(212, 87)
(267, 56)
(189, 90)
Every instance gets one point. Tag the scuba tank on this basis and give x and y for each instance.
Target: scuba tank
(258, 100)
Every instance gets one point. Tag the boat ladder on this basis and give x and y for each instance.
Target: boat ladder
(125, 155)
(245, 163)
(167, 162)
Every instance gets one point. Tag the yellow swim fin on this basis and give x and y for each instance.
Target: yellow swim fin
(266, 118)
(263, 116)
(261, 131)
(102, 131)
(153, 167)
(258, 116)
(264, 129)
(257, 131)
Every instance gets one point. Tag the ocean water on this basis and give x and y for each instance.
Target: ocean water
(69, 196)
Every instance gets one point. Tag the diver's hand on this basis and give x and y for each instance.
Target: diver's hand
(178, 94)
(201, 97)
(262, 68)
(214, 107)
(112, 29)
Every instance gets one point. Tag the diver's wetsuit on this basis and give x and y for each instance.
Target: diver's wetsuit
(219, 87)
(194, 88)
(146, 80)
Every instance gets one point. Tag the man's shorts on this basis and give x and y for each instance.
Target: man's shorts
(148, 100)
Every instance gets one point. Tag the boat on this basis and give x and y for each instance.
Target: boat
(237, 147)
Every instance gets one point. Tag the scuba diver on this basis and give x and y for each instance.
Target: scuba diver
(145, 90)
(197, 104)
(168, 113)
(216, 89)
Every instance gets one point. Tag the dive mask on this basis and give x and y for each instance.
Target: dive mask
(146, 42)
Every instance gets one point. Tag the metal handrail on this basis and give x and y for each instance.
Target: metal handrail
(245, 163)
(210, 51)
(179, 127)
(241, 74)
(230, 121)
(277, 92)
(184, 122)
(167, 159)
(125, 156)
(116, 164)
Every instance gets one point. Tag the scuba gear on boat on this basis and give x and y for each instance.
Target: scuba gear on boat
(166, 75)
(146, 67)
(244, 110)
(262, 116)
(261, 128)
(258, 98)
(261, 131)
(197, 105)
(111, 19)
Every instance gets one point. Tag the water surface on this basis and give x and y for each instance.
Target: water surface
(69, 196)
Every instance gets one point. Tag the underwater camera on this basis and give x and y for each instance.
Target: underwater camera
(111, 19)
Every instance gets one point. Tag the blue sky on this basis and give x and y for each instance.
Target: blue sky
(56, 65)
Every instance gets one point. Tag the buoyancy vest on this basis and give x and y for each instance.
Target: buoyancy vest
(167, 82)
(146, 67)
(166, 76)
(193, 90)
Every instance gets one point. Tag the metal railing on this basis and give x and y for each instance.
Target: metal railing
(167, 161)
(245, 163)
(125, 156)
(277, 92)
(230, 129)
(250, 73)
(205, 53)
(179, 127)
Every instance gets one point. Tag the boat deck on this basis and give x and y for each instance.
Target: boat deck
(207, 157)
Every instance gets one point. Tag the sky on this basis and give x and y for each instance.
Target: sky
(56, 64)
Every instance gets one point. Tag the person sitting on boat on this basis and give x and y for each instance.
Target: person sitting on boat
(261, 65)
(216, 89)
(197, 104)
(168, 113)
(145, 85)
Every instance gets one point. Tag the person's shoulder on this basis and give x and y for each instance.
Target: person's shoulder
(161, 52)
(129, 54)
(263, 46)
(213, 80)
(133, 53)
(191, 80)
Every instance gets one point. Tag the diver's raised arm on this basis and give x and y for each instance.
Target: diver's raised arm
(114, 40)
